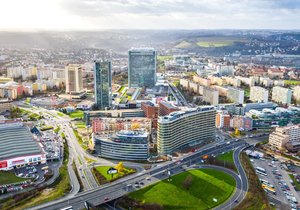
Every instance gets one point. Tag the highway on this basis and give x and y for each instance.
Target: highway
(181, 101)
(120, 187)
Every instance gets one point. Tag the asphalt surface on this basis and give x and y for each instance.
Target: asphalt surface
(119, 188)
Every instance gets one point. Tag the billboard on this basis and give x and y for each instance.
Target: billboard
(3, 164)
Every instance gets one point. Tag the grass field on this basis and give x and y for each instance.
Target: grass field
(295, 181)
(184, 44)
(291, 82)
(214, 43)
(80, 124)
(103, 170)
(9, 178)
(76, 114)
(226, 157)
(207, 185)
(164, 57)
(60, 114)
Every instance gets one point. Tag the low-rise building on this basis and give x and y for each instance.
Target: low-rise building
(122, 113)
(202, 81)
(124, 145)
(105, 125)
(5, 105)
(151, 111)
(165, 108)
(17, 146)
(282, 135)
(222, 120)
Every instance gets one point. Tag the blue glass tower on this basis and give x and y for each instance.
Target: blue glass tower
(102, 80)
(142, 67)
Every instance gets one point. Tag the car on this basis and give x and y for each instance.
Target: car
(106, 199)
(228, 142)
(141, 183)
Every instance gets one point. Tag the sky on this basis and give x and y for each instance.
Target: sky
(148, 14)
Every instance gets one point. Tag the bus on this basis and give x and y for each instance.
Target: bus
(269, 189)
(45, 168)
(260, 169)
(67, 208)
(261, 173)
(266, 183)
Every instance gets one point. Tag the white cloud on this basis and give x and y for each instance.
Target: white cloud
(149, 14)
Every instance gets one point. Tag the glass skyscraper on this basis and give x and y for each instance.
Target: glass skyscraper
(142, 67)
(102, 80)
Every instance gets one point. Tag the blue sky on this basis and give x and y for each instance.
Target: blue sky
(148, 14)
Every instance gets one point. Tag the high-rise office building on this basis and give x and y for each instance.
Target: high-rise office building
(102, 82)
(73, 74)
(183, 129)
(142, 67)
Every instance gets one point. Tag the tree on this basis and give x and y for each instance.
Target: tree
(120, 167)
(236, 132)
(187, 182)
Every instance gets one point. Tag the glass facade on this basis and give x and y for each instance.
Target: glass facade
(123, 146)
(142, 68)
(102, 80)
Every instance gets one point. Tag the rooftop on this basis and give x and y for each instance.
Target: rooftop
(179, 114)
(17, 141)
(170, 106)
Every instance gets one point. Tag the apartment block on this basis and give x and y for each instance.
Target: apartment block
(259, 94)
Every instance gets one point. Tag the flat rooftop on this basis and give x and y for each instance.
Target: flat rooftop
(183, 113)
(17, 141)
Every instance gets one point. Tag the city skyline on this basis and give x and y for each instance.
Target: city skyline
(145, 14)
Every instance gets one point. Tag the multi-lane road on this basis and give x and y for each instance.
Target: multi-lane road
(119, 188)
(97, 195)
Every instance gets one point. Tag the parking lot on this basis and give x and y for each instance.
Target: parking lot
(274, 176)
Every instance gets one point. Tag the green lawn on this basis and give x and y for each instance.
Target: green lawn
(207, 185)
(291, 82)
(103, 170)
(295, 181)
(214, 43)
(184, 44)
(164, 57)
(76, 114)
(80, 140)
(80, 124)
(226, 157)
(57, 129)
(9, 178)
(60, 114)
(121, 89)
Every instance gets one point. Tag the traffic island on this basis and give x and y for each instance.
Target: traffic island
(193, 189)
(105, 174)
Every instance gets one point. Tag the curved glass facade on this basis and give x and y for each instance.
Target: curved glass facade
(185, 129)
(127, 146)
